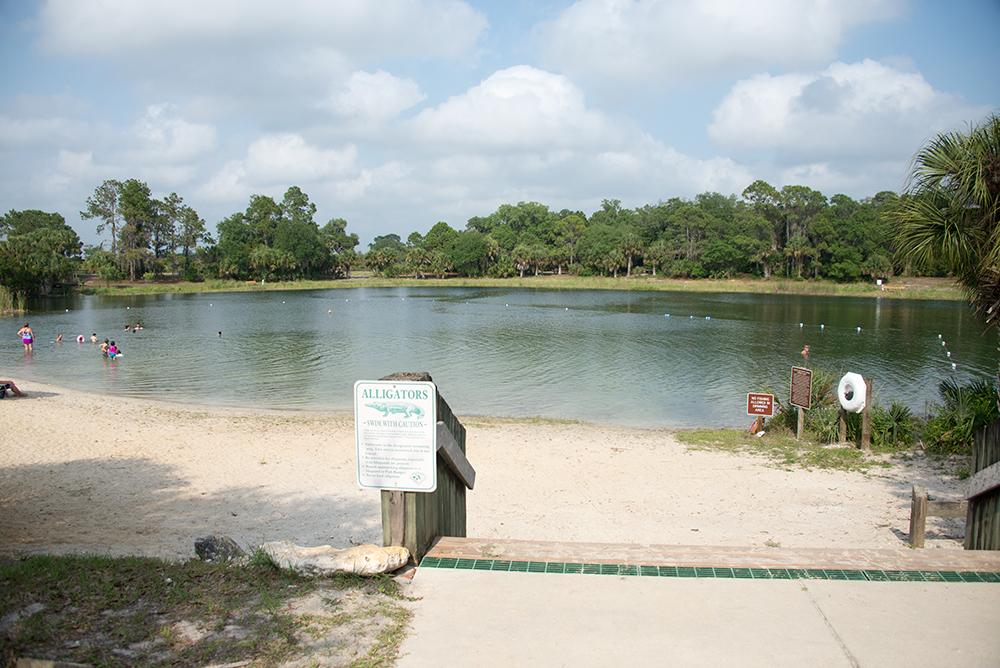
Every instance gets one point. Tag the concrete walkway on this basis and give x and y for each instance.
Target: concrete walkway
(473, 618)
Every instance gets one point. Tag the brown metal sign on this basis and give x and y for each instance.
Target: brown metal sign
(759, 403)
(802, 380)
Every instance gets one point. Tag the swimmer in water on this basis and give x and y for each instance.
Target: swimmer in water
(113, 351)
(59, 338)
(805, 352)
(27, 337)
(104, 348)
(93, 337)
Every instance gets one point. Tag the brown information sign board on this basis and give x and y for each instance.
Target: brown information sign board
(802, 380)
(759, 403)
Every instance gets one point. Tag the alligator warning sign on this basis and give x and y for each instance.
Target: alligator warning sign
(395, 427)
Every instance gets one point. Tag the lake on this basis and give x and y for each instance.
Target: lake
(599, 356)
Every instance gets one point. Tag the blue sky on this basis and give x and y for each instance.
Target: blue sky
(401, 113)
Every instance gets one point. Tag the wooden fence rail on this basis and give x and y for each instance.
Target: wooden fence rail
(921, 507)
(415, 519)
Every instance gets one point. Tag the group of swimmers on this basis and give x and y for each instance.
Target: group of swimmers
(108, 348)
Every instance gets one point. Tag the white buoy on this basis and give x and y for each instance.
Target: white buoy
(690, 316)
(942, 343)
(329, 310)
(347, 300)
(566, 309)
(67, 310)
(666, 315)
(859, 329)
(939, 336)
(948, 353)
(953, 366)
(282, 301)
(507, 305)
(800, 325)
(822, 326)
(708, 317)
(127, 308)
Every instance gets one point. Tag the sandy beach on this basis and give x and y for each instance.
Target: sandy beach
(87, 473)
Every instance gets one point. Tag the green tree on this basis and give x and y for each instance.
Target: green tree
(951, 211)
(340, 245)
(630, 246)
(37, 250)
(103, 206)
(138, 211)
(191, 231)
(380, 259)
(765, 201)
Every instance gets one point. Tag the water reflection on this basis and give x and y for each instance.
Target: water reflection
(591, 355)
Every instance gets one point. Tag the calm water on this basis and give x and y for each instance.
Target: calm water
(597, 356)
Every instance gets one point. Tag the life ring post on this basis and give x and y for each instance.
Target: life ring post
(866, 420)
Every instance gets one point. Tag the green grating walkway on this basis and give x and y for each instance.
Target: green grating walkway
(708, 571)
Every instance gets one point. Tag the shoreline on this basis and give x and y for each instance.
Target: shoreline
(911, 288)
(81, 474)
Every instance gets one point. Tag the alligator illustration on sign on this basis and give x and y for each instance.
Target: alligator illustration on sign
(406, 410)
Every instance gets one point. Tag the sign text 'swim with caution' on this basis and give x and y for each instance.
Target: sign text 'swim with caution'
(395, 425)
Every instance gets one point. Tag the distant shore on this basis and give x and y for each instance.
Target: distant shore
(85, 473)
(901, 288)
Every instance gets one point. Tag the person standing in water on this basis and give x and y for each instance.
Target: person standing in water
(104, 348)
(113, 351)
(93, 337)
(27, 337)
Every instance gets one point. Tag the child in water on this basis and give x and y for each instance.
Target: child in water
(113, 351)
(104, 348)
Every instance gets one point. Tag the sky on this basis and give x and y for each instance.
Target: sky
(399, 113)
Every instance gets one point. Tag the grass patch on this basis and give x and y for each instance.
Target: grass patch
(923, 288)
(781, 448)
(138, 611)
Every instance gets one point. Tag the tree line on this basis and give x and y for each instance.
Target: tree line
(794, 232)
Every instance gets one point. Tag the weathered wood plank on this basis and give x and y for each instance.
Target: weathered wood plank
(986, 480)
(918, 516)
(947, 508)
(452, 454)
(866, 417)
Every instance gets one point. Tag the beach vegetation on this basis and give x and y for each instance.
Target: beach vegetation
(782, 448)
(964, 410)
(132, 611)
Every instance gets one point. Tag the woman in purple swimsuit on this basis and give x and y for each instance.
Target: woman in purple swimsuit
(27, 337)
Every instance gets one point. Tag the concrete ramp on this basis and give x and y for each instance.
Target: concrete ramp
(705, 607)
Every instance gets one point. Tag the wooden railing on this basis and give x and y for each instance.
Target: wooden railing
(982, 524)
(415, 519)
(921, 507)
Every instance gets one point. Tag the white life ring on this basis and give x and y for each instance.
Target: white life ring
(852, 392)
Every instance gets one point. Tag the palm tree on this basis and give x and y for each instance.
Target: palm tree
(951, 211)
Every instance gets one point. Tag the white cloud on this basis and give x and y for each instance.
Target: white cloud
(864, 111)
(518, 108)
(278, 159)
(163, 136)
(374, 96)
(643, 42)
(423, 28)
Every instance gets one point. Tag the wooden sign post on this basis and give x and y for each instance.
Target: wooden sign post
(801, 395)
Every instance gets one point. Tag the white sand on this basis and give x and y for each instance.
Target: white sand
(83, 473)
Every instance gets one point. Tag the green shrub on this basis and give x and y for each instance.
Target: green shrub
(965, 409)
